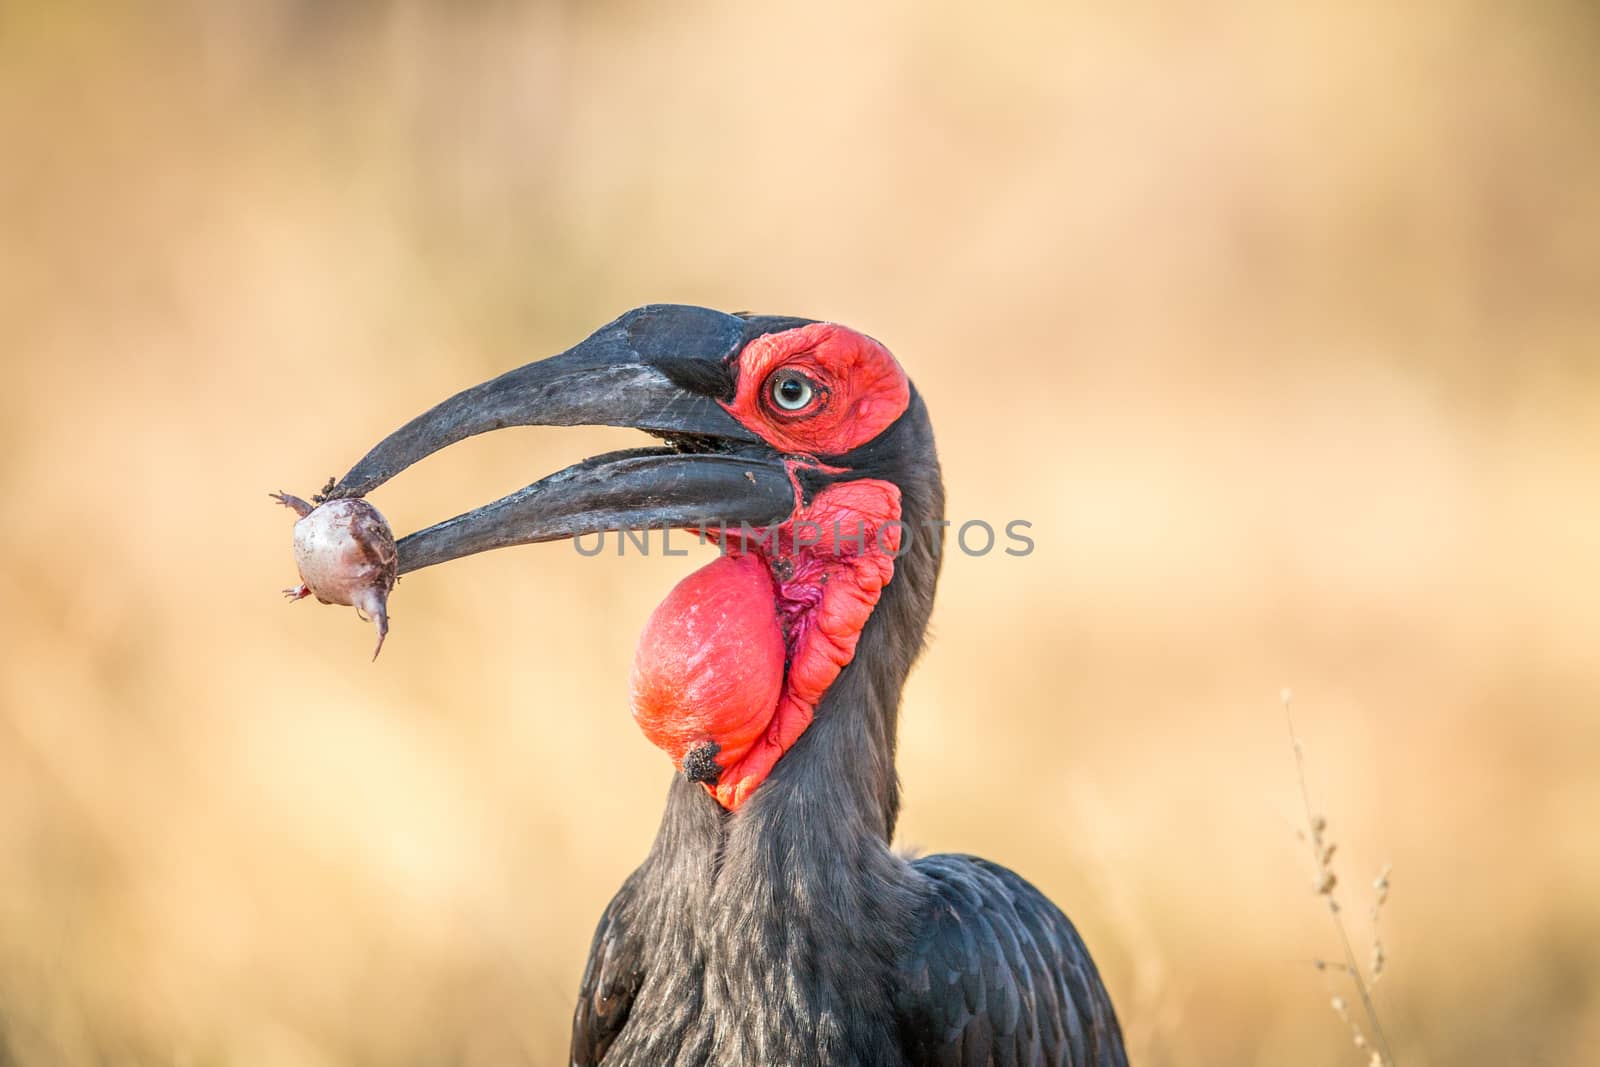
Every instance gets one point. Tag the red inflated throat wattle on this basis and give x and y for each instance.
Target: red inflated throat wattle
(732, 664)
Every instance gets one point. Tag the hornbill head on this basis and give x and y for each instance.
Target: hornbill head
(800, 447)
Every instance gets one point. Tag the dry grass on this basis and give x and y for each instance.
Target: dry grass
(1277, 321)
(1366, 1033)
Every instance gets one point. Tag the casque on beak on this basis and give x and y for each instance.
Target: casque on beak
(659, 369)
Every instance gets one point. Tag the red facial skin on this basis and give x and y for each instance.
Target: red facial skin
(741, 652)
(860, 389)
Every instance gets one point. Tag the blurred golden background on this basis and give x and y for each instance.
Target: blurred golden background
(1280, 323)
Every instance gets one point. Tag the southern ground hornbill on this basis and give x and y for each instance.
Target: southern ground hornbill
(771, 923)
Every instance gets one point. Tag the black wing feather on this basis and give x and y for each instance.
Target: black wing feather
(997, 977)
(610, 983)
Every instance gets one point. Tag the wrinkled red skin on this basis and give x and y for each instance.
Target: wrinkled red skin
(825, 604)
(741, 652)
(710, 665)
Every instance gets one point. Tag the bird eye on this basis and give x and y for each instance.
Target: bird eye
(791, 391)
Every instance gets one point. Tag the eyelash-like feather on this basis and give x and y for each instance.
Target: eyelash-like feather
(715, 380)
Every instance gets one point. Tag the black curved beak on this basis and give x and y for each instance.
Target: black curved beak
(658, 368)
